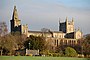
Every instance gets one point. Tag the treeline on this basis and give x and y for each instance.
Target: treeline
(15, 41)
(11, 42)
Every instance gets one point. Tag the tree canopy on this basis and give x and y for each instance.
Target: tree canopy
(35, 43)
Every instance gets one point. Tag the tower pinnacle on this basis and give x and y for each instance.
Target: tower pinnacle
(15, 14)
(59, 20)
(66, 19)
(72, 19)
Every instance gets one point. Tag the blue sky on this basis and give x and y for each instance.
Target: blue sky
(46, 13)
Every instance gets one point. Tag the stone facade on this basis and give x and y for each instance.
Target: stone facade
(66, 34)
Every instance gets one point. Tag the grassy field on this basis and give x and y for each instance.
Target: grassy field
(39, 58)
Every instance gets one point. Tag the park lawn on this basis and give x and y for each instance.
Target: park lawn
(39, 58)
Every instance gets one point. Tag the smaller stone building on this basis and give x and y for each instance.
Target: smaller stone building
(32, 52)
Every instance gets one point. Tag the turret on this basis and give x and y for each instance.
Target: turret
(72, 19)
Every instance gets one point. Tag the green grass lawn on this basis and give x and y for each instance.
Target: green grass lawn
(39, 58)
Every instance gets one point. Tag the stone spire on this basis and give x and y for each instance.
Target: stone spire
(15, 14)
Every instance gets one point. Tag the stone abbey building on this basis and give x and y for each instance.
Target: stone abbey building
(66, 34)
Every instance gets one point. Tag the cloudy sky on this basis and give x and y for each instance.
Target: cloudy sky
(46, 13)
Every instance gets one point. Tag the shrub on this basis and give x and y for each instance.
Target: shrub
(70, 52)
